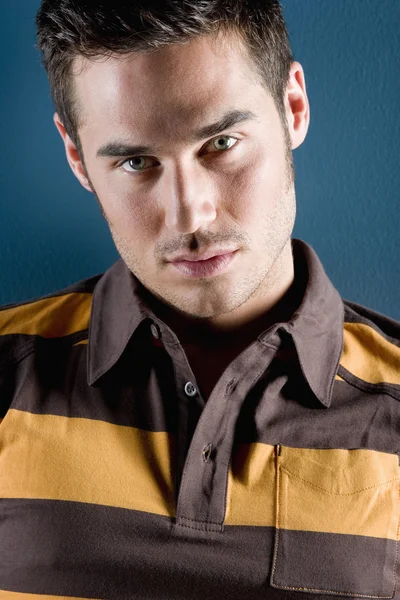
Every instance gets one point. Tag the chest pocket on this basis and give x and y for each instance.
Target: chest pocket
(337, 516)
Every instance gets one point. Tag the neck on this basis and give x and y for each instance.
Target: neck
(203, 335)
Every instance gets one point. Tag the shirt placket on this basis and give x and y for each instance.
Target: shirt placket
(201, 497)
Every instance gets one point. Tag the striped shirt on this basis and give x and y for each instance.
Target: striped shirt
(119, 480)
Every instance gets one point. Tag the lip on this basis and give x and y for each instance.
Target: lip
(205, 256)
(205, 268)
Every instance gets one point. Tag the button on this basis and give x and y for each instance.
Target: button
(190, 390)
(206, 452)
(155, 331)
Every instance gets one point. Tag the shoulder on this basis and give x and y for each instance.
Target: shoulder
(59, 314)
(371, 348)
(359, 318)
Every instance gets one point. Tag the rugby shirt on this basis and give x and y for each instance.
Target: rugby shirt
(119, 481)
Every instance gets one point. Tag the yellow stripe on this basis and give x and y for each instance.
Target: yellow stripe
(5, 595)
(83, 460)
(339, 491)
(251, 483)
(370, 356)
(49, 318)
(329, 490)
(81, 343)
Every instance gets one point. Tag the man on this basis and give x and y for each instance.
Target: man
(185, 426)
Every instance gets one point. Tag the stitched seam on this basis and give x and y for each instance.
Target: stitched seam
(359, 319)
(397, 543)
(268, 345)
(372, 388)
(202, 528)
(279, 489)
(277, 529)
(183, 483)
(338, 494)
(208, 525)
(335, 372)
(15, 357)
(286, 587)
(228, 464)
(201, 522)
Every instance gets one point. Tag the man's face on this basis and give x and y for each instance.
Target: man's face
(216, 192)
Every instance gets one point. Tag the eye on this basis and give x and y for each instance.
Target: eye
(218, 144)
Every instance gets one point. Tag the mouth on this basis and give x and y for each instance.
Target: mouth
(205, 268)
(210, 253)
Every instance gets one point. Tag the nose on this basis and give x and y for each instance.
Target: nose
(188, 201)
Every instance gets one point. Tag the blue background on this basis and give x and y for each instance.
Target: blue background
(347, 169)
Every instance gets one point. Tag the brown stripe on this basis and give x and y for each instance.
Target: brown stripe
(369, 356)
(43, 316)
(91, 551)
(334, 564)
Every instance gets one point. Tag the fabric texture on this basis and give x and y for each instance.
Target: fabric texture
(119, 480)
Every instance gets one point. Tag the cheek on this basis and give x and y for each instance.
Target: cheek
(268, 176)
(126, 211)
(252, 187)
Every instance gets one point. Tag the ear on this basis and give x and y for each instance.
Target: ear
(72, 154)
(297, 105)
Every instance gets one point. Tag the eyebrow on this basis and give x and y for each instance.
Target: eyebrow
(228, 120)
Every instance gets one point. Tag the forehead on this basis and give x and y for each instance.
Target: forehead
(159, 92)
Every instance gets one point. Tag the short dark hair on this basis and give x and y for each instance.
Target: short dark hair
(69, 28)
